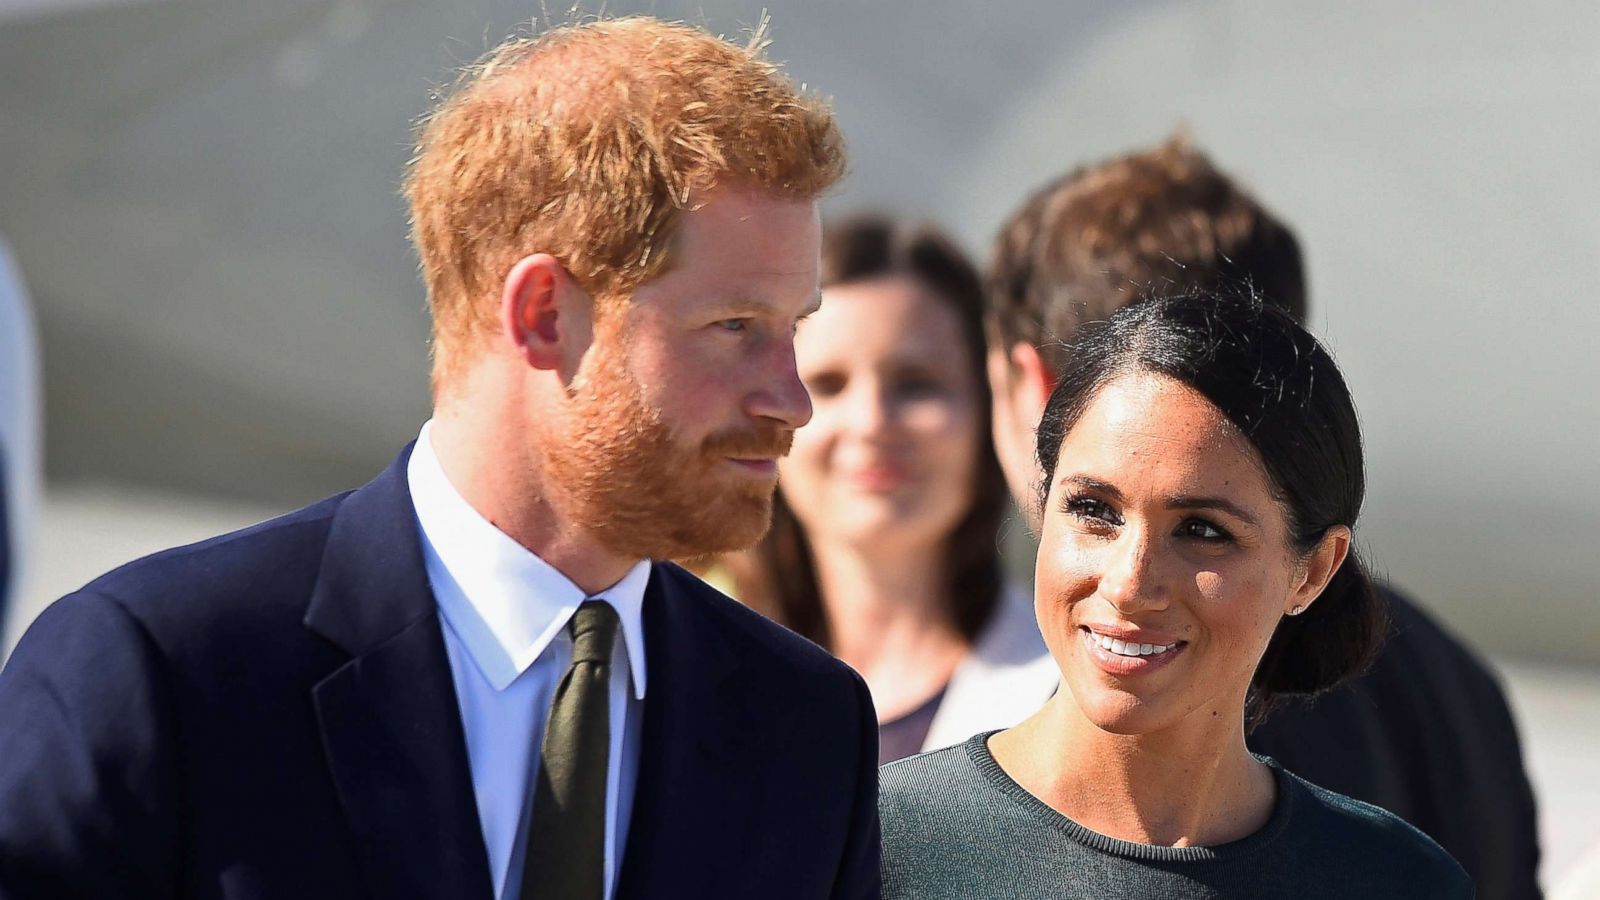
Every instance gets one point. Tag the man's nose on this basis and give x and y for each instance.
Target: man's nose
(781, 396)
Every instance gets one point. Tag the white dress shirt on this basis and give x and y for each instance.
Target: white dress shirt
(505, 612)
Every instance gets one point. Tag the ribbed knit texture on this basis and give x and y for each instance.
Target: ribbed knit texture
(955, 825)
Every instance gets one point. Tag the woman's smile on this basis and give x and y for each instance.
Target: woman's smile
(1119, 652)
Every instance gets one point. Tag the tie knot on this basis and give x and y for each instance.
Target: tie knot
(594, 630)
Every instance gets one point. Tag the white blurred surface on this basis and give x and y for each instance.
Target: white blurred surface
(1558, 710)
(85, 531)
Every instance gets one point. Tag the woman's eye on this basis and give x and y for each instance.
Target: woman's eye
(1092, 511)
(824, 384)
(920, 387)
(1200, 529)
(915, 382)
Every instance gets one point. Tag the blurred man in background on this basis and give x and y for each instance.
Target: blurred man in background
(434, 686)
(20, 471)
(1426, 733)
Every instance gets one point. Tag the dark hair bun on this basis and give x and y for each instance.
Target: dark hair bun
(1336, 638)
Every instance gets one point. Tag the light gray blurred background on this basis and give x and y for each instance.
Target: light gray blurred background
(203, 200)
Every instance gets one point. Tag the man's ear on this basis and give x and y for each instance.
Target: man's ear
(1021, 385)
(1031, 381)
(545, 314)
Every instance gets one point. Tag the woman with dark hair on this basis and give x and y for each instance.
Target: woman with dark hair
(883, 547)
(1203, 472)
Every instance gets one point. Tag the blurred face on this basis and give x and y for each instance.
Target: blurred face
(891, 452)
(1014, 414)
(688, 394)
(1164, 564)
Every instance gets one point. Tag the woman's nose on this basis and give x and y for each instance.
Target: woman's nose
(1129, 580)
(870, 411)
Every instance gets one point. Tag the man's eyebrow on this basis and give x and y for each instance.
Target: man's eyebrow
(753, 306)
(1216, 503)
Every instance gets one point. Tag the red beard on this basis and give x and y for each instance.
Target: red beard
(642, 493)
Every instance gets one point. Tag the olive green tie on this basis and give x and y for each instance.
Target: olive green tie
(566, 853)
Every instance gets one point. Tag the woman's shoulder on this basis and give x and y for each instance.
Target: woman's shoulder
(1390, 849)
(925, 780)
(935, 791)
(947, 829)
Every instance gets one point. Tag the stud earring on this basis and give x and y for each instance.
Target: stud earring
(1298, 609)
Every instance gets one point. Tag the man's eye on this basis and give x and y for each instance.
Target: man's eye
(734, 324)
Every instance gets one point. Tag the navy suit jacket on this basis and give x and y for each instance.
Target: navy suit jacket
(270, 714)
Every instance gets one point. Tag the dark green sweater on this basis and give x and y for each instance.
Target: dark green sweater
(956, 826)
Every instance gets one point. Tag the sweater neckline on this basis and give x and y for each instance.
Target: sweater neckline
(977, 748)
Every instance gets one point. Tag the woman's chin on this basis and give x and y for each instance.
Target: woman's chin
(1119, 711)
(1121, 718)
(886, 524)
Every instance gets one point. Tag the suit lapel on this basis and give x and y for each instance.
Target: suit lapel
(390, 724)
(697, 783)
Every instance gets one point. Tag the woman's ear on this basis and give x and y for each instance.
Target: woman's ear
(1318, 568)
(545, 314)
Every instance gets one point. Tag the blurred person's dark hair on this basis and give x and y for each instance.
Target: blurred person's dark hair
(1156, 222)
(778, 576)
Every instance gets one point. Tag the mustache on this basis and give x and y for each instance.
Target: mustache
(765, 439)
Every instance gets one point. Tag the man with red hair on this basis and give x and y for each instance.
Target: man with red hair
(476, 676)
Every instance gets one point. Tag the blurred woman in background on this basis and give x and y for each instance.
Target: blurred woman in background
(1203, 472)
(884, 544)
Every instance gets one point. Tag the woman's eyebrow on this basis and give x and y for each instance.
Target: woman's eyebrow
(1089, 483)
(1216, 503)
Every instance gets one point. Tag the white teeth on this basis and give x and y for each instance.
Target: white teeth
(1127, 648)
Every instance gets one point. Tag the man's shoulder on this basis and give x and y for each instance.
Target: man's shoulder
(756, 638)
(252, 569)
(1418, 637)
(220, 605)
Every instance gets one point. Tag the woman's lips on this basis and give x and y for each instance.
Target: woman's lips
(880, 478)
(1121, 653)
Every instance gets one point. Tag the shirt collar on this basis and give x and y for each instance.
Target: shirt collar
(507, 604)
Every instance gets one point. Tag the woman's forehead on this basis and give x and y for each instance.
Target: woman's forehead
(884, 315)
(1163, 433)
